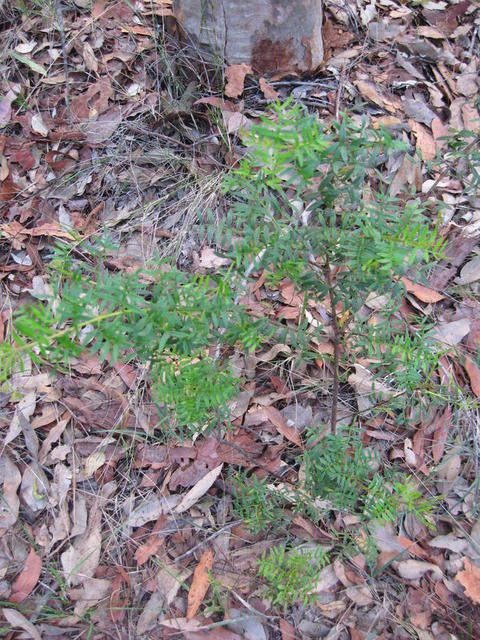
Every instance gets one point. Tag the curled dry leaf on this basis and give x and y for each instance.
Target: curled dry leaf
(28, 577)
(235, 75)
(469, 578)
(38, 125)
(200, 584)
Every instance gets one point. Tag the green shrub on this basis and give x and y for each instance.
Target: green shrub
(291, 574)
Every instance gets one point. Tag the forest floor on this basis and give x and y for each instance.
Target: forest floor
(89, 546)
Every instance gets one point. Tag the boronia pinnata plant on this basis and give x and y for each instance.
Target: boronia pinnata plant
(307, 203)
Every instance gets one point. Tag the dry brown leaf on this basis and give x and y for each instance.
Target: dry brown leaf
(199, 490)
(267, 90)
(473, 371)
(81, 559)
(469, 578)
(28, 577)
(287, 630)
(209, 259)
(6, 108)
(151, 509)
(290, 433)
(425, 141)
(91, 62)
(425, 294)
(370, 92)
(17, 619)
(451, 333)
(360, 594)
(470, 272)
(414, 569)
(119, 596)
(181, 624)
(467, 81)
(234, 121)
(38, 125)
(442, 424)
(10, 504)
(200, 584)
(153, 543)
(471, 118)
(89, 594)
(235, 75)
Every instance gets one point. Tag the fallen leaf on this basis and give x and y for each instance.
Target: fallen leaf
(6, 108)
(91, 62)
(425, 294)
(235, 75)
(360, 594)
(470, 272)
(442, 426)
(234, 121)
(100, 129)
(210, 260)
(89, 594)
(467, 81)
(10, 503)
(367, 387)
(149, 613)
(469, 578)
(267, 90)
(152, 509)
(450, 542)
(181, 624)
(287, 630)
(17, 619)
(200, 584)
(29, 63)
(451, 333)
(153, 543)
(247, 625)
(425, 141)
(38, 125)
(28, 577)
(473, 371)
(81, 559)
(199, 490)
(290, 433)
(414, 569)
(119, 596)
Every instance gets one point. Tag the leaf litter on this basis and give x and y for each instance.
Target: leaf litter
(129, 537)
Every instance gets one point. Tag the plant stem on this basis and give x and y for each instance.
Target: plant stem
(336, 347)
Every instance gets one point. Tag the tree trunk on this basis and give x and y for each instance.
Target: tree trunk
(274, 37)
